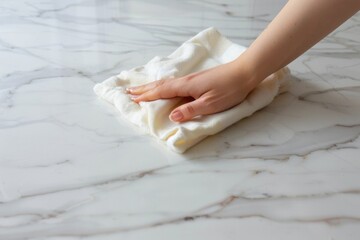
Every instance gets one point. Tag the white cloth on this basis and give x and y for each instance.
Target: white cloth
(207, 49)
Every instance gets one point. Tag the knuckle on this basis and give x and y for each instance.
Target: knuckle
(188, 78)
(159, 83)
(189, 109)
(209, 103)
(206, 100)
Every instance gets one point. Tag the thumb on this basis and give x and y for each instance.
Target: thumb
(188, 111)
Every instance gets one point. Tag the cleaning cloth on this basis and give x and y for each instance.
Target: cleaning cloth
(205, 50)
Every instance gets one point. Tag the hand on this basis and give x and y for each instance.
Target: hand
(298, 26)
(213, 90)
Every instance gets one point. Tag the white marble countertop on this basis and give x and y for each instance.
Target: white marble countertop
(71, 168)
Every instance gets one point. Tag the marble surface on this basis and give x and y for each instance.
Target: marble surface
(71, 168)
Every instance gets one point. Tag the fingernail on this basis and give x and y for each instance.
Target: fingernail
(128, 90)
(177, 116)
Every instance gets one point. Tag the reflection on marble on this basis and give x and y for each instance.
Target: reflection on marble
(71, 168)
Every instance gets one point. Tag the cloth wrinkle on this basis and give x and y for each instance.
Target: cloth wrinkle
(205, 50)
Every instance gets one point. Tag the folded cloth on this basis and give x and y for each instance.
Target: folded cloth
(205, 50)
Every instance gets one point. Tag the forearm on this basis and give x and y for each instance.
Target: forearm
(298, 26)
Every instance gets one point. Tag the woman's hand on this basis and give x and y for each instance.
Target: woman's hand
(299, 25)
(213, 90)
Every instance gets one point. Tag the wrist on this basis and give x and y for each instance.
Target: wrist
(247, 70)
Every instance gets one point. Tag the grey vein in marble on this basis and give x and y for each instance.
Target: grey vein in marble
(71, 168)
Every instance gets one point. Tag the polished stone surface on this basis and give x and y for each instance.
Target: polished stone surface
(71, 168)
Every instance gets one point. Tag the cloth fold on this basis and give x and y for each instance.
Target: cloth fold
(205, 50)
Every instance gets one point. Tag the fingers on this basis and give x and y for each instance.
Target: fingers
(163, 89)
(144, 88)
(154, 94)
(159, 90)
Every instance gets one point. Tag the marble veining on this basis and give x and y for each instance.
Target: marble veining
(71, 168)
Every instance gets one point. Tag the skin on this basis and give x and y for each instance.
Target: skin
(298, 26)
